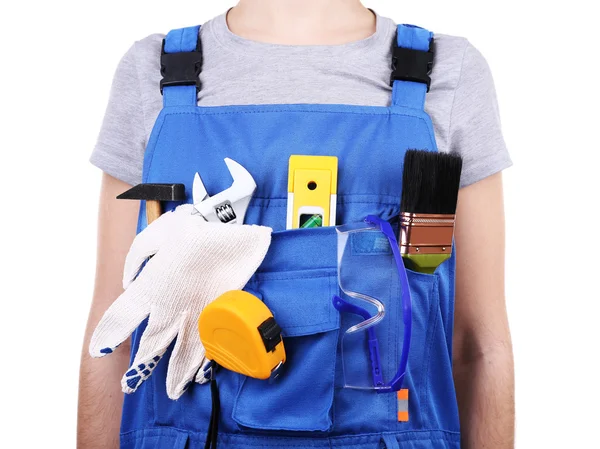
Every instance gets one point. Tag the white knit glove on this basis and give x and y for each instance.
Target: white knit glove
(193, 263)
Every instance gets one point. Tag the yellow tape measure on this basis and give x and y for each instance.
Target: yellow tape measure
(240, 334)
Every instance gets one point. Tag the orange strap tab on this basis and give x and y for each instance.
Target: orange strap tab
(403, 405)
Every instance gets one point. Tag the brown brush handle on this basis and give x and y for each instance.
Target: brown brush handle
(153, 210)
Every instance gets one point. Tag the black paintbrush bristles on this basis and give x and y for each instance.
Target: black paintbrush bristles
(430, 182)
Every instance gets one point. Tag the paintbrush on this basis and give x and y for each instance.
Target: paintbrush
(430, 183)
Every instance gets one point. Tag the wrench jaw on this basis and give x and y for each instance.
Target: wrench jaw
(199, 194)
(230, 205)
(243, 182)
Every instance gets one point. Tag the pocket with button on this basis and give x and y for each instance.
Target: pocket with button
(300, 399)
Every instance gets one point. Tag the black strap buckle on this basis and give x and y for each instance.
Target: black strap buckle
(412, 65)
(180, 69)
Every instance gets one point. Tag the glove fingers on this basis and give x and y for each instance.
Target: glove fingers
(203, 374)
(133, 266)
(187, 358)
(155, 340)
(119, 321)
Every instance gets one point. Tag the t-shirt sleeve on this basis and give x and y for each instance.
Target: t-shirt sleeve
(121, 143)
(475, 129)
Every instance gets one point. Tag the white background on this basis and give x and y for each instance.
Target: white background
(56, 65)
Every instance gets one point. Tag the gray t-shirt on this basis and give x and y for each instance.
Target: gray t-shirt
(236, 71)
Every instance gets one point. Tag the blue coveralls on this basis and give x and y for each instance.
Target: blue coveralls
(307, 407)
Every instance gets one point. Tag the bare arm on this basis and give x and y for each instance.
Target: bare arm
(483, 361)
(100, 396)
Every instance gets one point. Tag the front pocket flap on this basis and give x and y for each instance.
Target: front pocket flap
(301, 301)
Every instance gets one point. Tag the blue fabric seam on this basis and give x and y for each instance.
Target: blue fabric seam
(273, 276)
(445, 435)
(280, 428)
(309, 329)
(435, 304)
(392, 343)
(340, 196)
(311, 326)
(451, 305)
(383, 203)
(237, 396)
(332, 290)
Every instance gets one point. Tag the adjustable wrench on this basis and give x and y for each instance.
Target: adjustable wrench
(230, 205)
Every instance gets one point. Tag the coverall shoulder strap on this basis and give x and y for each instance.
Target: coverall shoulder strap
(180, 65)
(412, 62)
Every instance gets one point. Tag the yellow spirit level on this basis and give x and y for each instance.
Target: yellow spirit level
(312, 191)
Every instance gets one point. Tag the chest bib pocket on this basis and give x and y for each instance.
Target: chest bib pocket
(301, 398)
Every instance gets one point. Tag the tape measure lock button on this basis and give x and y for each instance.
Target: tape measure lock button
(270, 332)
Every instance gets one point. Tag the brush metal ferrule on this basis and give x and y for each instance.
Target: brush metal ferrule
(426, 233)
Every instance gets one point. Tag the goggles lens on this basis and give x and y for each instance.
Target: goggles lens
(375, 306)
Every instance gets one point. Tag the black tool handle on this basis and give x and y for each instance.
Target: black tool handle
(213, 427)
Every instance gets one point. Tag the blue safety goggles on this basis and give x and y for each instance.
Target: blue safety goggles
(373, 279)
